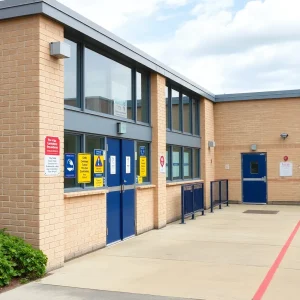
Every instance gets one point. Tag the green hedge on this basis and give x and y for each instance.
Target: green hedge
(19, 259)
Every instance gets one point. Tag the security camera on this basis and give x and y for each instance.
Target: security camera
(284, 135)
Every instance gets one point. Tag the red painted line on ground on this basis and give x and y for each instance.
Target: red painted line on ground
(264, 285)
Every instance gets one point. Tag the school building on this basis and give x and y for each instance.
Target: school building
(97, 137)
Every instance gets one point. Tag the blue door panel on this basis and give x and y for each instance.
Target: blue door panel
(113, 153)
(128, 213)
(254, 171)
(128, 152)
(113, 217)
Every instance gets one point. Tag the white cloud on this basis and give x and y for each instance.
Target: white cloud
(112, 14)
(222, 49)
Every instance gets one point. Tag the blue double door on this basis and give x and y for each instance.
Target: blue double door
(121, 184)
(254, 178)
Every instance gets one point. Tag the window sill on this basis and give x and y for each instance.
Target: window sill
(174, 183)
(85, 193)
(146, 186)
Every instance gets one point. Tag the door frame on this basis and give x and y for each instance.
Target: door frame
(242, 177)
(135, 185)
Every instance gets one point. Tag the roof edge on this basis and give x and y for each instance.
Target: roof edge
(268, 95)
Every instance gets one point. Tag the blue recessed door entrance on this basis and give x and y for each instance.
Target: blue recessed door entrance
(121, 185)
(254, 178)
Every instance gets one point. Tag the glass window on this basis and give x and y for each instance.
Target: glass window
(70, 76)
(187, 163)
(187, 120)
(254, 167)
(108, 86)
(175, 111)
(71, 145)
(167, 107)
(143, 162)
(94, 143)
(142, 97)
(168, 157)
(195, 117)
(196, 163)
(176, 163)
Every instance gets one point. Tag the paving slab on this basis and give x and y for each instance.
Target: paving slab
(221, 256)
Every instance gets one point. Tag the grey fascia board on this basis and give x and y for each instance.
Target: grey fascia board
(258, 96)
(70, 18)
(179, 139)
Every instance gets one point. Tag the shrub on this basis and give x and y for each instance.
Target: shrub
(25, 261)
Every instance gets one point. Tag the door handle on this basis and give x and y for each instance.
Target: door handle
(264, 178)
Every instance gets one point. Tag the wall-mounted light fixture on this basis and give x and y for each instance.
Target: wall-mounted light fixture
(60, 50)
(284, 135)
(211, 144)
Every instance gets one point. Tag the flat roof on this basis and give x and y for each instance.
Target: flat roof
(71, 19)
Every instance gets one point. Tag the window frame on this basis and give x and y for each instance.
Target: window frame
(191, 96)
(81, 47)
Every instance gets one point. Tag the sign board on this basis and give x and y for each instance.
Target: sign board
(162, 163)
(142, 151)
(140, 180)
(120, 108)
(84, 168)
(112, 161)
(286, 169)
(143, 166)
(70, 165)
(128, 161)
(98, 180)
(98, 161)
(52, 156)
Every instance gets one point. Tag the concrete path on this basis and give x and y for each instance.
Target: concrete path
(221, 256)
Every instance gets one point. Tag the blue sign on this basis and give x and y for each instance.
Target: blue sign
(98, 152)
(70, 165)
(142, 151)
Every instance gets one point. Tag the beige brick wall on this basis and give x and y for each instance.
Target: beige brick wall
(158, 120)
(173, 203)
(240, 124)
(31, 102)
(207, 129)
(144, 210)
(85, 225)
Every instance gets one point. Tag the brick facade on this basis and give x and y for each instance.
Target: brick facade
(240, 124)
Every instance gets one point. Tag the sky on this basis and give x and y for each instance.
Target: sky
(225, 46)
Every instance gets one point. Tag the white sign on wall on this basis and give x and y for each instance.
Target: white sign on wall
(112, 165)
(128, 165)
(52, 156)
(286, 169)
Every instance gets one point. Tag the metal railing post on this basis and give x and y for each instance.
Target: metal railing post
(227, 198)
(182, 205)
(220, 194)
(193, 191)
(211, 198)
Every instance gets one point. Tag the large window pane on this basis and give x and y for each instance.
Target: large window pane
(175, 111)
(108, 86)
(142, 97)
(196, 163)
(187, 122)
(70, 76)
(195, 117)
(167, 106)
(176, 163)
(93, 143)
(187, 163)
(71, 145)
(143, 162)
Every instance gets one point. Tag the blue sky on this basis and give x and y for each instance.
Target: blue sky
(224, 45)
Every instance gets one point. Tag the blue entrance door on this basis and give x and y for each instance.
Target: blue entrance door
(121, 196)
(254, 181)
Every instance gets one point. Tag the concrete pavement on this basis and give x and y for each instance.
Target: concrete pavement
(221, 256)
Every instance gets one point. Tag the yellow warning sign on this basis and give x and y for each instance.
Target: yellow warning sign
(84, 168)
(98, 182)
(143, 166)
(98, 162)
(140, 179)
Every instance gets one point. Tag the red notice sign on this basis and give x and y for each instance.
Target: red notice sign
(52, 145)
(52, 156)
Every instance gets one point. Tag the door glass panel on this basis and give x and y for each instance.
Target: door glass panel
(254, 167)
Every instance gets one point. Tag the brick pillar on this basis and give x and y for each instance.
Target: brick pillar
(158, 120)
(31, 107)
(207, 155)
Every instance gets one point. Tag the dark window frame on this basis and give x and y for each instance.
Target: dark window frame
(192, 96)
(81, 46)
